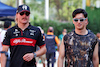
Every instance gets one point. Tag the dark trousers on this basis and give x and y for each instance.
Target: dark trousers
(50, 58)
(8, 62)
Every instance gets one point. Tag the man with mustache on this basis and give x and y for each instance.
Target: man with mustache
(22, 40)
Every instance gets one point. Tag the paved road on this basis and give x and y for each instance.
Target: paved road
(40, 64)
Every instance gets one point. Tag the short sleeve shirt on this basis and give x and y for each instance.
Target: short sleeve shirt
(61, 36)
(22, 42)
(79, 49)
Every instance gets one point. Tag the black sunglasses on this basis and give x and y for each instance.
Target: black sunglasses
(81, 20)
(26, 13)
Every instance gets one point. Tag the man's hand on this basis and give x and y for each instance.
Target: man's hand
(28, 57)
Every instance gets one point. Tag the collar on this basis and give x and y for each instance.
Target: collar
(50, 33)
(29, 27)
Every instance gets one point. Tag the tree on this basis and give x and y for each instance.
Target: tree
(10, 3)
(65, 8)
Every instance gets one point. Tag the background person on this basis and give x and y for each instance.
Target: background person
(7, 25)
(43, 57)
(0, 45)
(64, 32)
(79, 47)
(22, 40)
(98, 35)
(51, 40)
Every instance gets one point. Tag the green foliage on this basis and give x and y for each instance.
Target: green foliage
(94, 19)
(93, 16)
(37, 9)
(64, 8)
(10, 3)
(58, 9)
(58, 26)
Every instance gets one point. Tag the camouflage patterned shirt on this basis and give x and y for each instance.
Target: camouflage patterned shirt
(79, 49)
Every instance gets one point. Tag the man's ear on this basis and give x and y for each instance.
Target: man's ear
(16, 14)
(87, 21)
(73, 21)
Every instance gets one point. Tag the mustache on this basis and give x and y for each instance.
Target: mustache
(24, 18)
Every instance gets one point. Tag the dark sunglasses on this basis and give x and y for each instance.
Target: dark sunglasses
(81, 20)
(26, 13)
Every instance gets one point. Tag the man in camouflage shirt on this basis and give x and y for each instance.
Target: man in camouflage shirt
(79, 47)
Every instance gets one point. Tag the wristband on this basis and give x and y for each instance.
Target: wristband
(34, 55)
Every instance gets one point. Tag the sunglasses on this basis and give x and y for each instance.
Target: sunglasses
(26, 13)
(81, 20)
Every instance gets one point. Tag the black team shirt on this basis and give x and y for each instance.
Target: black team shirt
(22, 42)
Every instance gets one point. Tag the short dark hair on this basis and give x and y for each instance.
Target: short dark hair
(77, 11)
(7, 24)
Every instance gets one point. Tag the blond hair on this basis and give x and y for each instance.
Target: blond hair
(16, 19)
